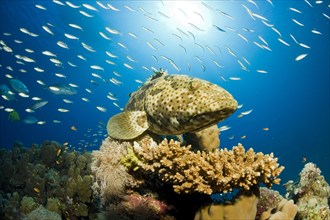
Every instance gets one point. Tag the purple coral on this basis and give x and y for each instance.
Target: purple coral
(145, 205)
(311, 193)
(268, 200)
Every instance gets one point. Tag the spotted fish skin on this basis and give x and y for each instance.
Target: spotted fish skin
(177, 104)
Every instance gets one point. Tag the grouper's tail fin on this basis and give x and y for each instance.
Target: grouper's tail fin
(127, 125)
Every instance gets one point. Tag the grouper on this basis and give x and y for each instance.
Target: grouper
(169, 104)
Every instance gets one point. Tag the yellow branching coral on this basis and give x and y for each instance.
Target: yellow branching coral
(207, 172)
(130, 160)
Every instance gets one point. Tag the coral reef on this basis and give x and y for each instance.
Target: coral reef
(53, 204)
(161, 179)
(311, 194)
(207, 173)
(136, 206)
(112, 178)
(268, 200)
(153, 178)
(28, 205)
(11, 206)
(46, 175)
(206, 139)
(42, 213)
(285, 210)
(243, 206)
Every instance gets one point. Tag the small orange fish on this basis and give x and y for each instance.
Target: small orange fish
(36, 190)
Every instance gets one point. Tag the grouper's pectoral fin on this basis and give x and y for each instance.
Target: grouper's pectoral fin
(127, 125)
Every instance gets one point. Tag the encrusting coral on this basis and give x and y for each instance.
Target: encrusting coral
(311, 194)
(138, 207)
(206, 172)
(285, 210)
(268, 200)
(243, 206)
(206, 139)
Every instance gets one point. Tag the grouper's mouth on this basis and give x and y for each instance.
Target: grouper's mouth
(208, 119)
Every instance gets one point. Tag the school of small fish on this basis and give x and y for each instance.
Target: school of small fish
(84, 65)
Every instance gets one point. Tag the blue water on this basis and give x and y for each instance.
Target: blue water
(291, 99)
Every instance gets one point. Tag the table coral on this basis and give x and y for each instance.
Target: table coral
(207, 172)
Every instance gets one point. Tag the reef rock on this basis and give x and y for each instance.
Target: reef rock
(311, 194)
(243, 206)
(46, 175)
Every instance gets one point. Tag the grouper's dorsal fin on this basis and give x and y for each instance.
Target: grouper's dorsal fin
(127, 125)
(157, 74)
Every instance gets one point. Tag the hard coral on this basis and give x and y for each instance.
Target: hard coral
(206, 172)
(140, 205)
(244, 206)
(28, 205)
(42, 213)
(46, 173)
(285, 210)
(48, 152)
(10, 208)
(206, 139)
(53, 205)
(311, 193)
(268, 200)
